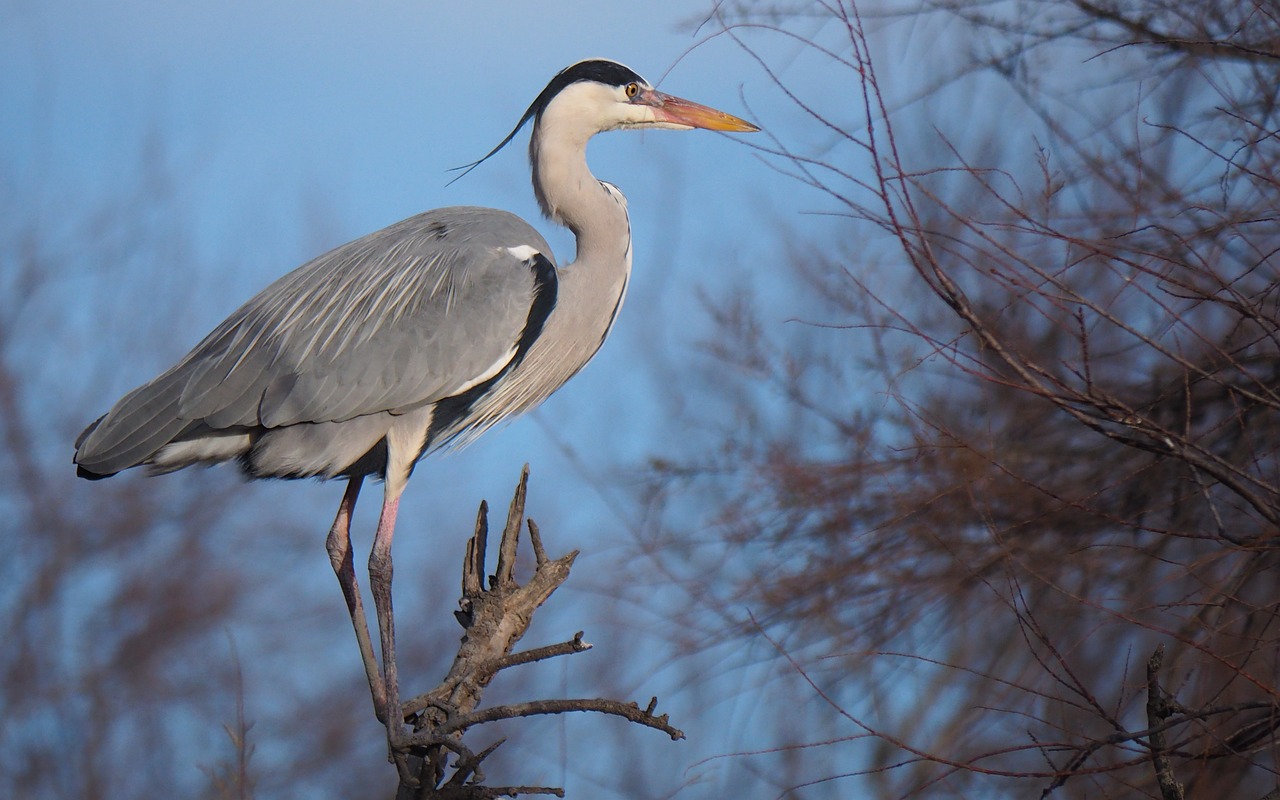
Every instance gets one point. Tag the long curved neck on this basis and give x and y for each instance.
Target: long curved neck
(570, 195)
(592, 288)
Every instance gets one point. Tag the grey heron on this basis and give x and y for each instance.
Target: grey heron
(425, 333)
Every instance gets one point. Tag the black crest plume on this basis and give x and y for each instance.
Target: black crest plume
(599, 70)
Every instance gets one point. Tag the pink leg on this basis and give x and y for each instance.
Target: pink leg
(380, 572)
(339, 547)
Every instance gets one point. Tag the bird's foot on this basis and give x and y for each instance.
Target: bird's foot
(399, 745)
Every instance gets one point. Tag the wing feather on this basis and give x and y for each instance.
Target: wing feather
(392, 321)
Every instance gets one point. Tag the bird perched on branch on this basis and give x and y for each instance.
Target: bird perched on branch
(430, 331)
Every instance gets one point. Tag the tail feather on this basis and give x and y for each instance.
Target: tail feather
(144, 421)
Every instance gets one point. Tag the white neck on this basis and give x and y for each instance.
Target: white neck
(592, 288)
(570, 195)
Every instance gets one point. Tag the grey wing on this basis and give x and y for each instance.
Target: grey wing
(412, 314)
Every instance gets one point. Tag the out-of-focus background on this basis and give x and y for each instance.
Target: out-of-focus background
(933, 409)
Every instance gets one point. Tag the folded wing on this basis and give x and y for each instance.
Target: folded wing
(401, 318)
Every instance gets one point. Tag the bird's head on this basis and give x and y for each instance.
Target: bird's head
(601, 95)
(598, 95)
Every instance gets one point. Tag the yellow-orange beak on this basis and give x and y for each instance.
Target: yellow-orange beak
(678, 111)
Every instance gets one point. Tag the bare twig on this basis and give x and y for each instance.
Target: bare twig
(629, 711)
(472, 792)
(574, 645)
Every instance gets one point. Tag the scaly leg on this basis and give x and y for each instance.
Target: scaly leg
(380, 572)
(339, 547)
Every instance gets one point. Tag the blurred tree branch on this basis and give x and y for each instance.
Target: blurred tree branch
(1033, 426)
(1159, 709)
(109, 606)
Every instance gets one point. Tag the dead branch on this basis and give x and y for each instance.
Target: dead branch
(495, 618)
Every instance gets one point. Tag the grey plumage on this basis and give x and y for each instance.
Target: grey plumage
(391, 322)
(424, 333)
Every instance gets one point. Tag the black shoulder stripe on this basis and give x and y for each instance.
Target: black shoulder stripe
(546, 287)
(451, 411)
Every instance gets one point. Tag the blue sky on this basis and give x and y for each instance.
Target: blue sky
(291, 127)
(296, 126)
(287, 128)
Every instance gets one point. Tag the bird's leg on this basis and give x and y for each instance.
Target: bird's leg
(380, 580)
(339, 547)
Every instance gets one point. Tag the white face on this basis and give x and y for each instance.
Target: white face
(586, 108)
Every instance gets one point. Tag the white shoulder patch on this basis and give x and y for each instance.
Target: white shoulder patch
(524, 252)
(615, 193)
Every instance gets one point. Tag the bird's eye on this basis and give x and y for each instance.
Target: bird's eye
(632, 89)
